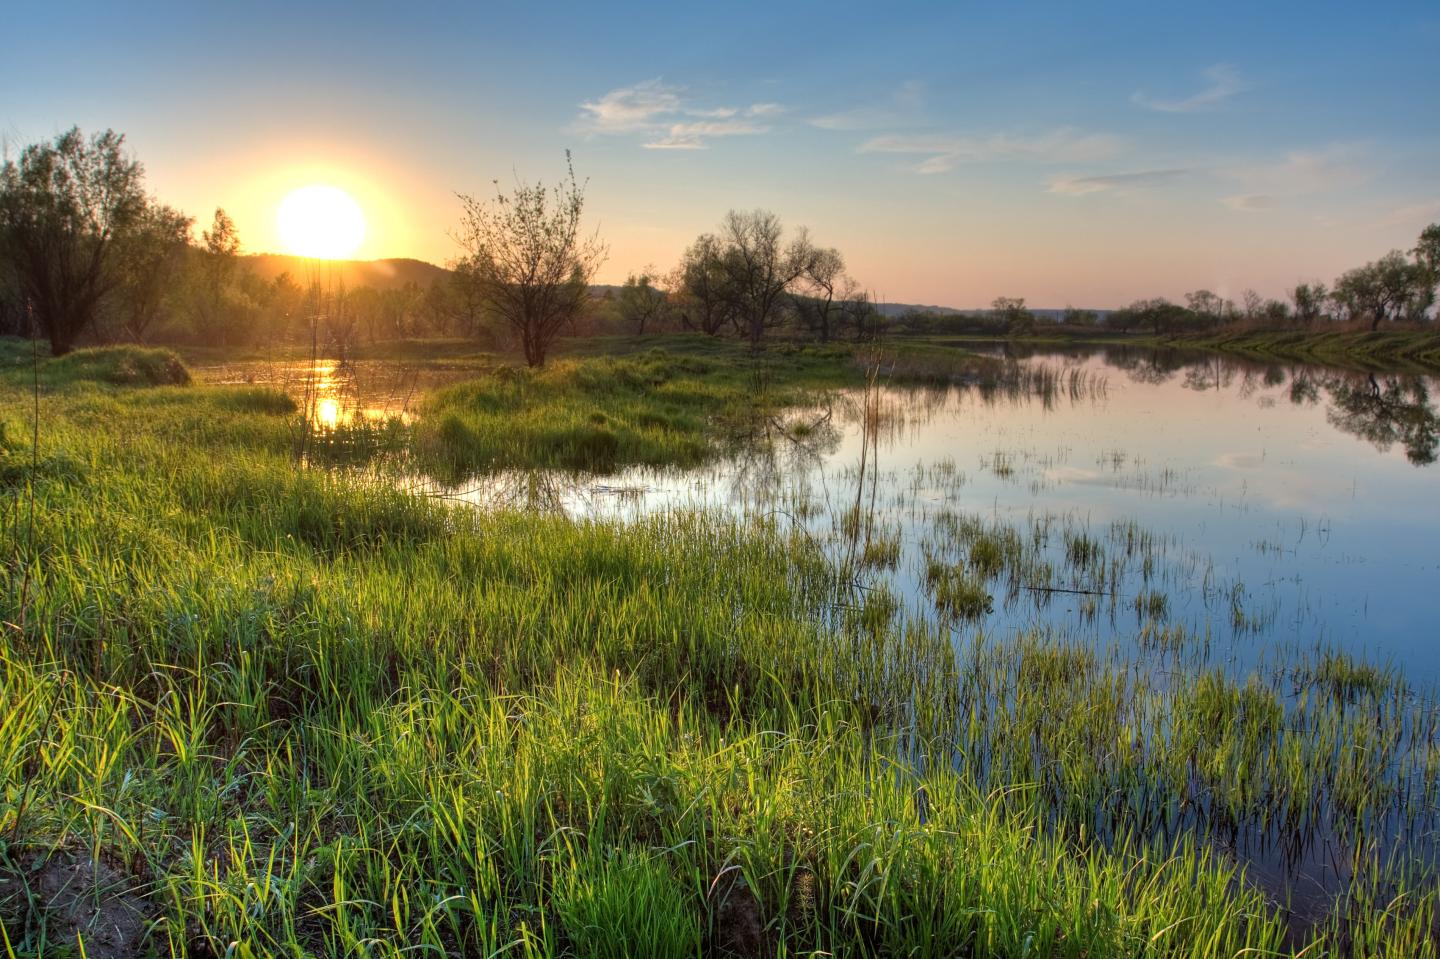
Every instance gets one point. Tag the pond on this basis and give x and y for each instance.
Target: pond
(1169, 511)
(1292, 501)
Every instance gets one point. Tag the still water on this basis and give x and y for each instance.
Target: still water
(1173, 511)
(1282, 505)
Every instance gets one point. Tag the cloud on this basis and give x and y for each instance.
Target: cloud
(1332, 167)
(692, 136)
(1067, 185)
(667, 118)
(1416, 214)
(764, 110)
(1225, 82)
(945, 152)
(1249, 202)
(905, 102)
(628, 109)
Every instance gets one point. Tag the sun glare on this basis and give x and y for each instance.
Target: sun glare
(320, 221)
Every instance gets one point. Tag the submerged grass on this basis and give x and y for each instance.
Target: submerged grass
(285, 711)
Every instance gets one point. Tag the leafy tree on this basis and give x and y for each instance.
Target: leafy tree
(148, 262)
(1391, 288)
(1159, 314)
(1427, 250)
(1074, 316)
(1309, 301)
(1012, 312)
(703, 299)
(640, 303)
(437, 307)
(222, 310)
(1427, 254)
(64, 208)
(530, 259)
(1208, 307)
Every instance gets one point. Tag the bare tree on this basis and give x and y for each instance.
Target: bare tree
(530, 259)
(63, 207)
(760, 267)
(823, 287)
(859, 307)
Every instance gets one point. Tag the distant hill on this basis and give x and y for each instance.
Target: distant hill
(381, 274)
(393, 273)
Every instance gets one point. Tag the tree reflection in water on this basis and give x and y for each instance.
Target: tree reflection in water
(1386, 410)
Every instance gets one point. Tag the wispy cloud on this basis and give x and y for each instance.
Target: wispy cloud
(692, 136)
(1249, 202)
(1224, 82)
(946, 152)
(629, 109)
(1413, 214)
(668, 119)
(1331, 167)
(905, 102)
(1067, 185)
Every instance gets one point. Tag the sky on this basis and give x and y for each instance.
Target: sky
(1085, 154)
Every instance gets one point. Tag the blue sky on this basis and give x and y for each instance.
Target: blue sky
(953, 152)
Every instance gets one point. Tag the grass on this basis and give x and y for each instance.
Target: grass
(280, 710)
(1408, 349)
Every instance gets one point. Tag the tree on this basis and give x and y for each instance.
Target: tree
(1075, 316)
(468, 293)
(1309, 301)
(64, 206)
(438, 306)
(1159, 314)
(1398, 410)
(1208, 307)
(859, 307)
(1391, 288)
(530, 259)
(640, 303)
(1427, 250)
(823, 287)
(760, 267)
(1427, 254)
(223, 303)
(148, 259)
(1011, 311)
(1253, 305)
(702, 298)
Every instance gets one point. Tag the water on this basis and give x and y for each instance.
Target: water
(1172, 509)
(1307, 498)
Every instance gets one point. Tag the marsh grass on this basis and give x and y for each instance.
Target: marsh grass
(298, 711)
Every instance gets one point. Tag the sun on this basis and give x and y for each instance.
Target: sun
(321, 222)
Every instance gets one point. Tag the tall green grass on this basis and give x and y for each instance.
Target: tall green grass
(293, 712)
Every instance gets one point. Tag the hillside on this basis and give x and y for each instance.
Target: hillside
(393, 273)
(381, 274)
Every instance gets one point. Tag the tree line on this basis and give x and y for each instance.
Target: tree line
(87, 254)
(1399, 287)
